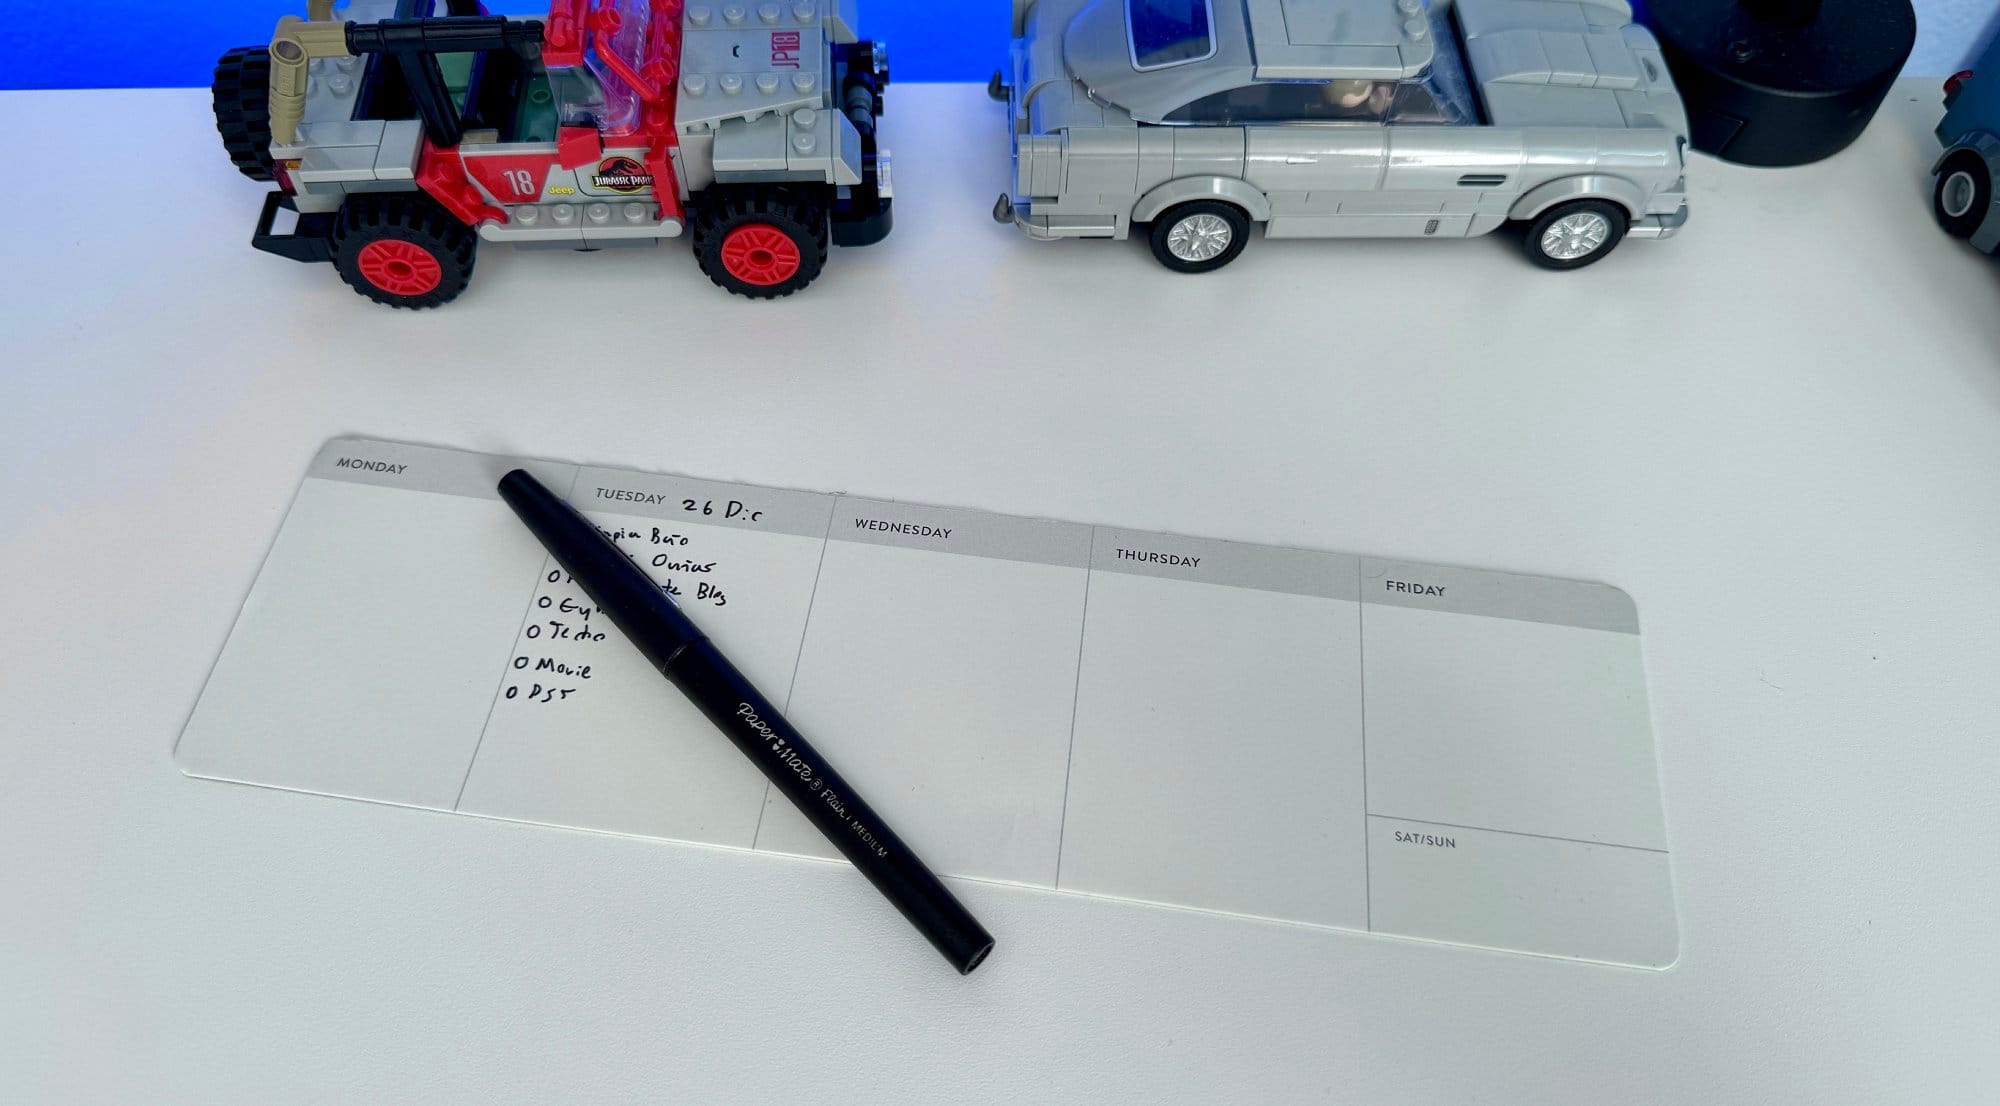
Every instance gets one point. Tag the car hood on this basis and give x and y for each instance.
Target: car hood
(1557, 63)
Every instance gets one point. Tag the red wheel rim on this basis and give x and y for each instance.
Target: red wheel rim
(760, 254)
(399, 268)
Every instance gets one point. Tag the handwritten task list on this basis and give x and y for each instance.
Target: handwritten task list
(1404, 749)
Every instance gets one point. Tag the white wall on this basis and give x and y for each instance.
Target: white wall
(1948, 32)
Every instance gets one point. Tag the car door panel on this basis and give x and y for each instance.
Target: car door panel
(1102, 162)
(1454, 172)
(1156, 158)
(1315, 159)
(512, 173)
(1310, 171)
(1208, 152)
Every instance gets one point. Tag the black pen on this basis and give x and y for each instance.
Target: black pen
(654, 622)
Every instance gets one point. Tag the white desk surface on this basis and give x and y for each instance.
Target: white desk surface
(1780, 432)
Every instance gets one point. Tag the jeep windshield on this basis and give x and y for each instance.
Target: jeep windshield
(597, 94)
(1164, 33)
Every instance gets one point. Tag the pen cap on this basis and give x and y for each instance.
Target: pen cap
(620, 588)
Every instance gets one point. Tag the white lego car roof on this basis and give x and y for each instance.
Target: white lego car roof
(1381, 40)
(1254, 40)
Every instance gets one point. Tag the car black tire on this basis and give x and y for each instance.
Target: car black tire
(402, 250)
(241, 96)
(1965, 186)
(1199, 224)
(761, 241)
(1544, 249)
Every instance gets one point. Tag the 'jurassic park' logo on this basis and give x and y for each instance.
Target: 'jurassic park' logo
(621, 175)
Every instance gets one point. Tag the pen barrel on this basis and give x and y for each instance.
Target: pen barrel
(795, 768)
(671, 641)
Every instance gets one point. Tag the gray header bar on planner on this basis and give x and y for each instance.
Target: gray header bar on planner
(1499, 595)
(979, 534)
(424, 469)
(1207, 561)
(970, 533)
(685, 499)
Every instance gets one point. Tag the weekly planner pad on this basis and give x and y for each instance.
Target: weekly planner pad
(1403, 749)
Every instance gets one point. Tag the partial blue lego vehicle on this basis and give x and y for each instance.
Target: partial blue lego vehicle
(1962, 196)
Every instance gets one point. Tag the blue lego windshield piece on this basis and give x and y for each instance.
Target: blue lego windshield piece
(1165, 33)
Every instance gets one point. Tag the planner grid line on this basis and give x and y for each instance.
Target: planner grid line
(1075, 696)
(1521, 833)
(1361, 663)
(805, 627)
(527, 612)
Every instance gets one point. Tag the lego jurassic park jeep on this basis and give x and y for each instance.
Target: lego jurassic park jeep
(403, 138)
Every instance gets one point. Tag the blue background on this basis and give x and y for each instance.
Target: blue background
(159, 44)
(156, 43)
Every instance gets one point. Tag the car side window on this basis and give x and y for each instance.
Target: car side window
(1415, 104)
(1341, 101)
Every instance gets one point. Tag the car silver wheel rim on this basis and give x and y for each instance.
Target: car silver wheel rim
(1199, 238)
(1958, 192)
(1575, 236)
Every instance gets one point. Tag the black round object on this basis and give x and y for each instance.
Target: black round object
(241, 96)
(760, 241)
(1782, 82)
(1597, 230)
(1216, 233)
(402, 249)
(1962, 193)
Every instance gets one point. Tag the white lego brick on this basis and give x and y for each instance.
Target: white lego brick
(342, 132)
(1569, 59)
(1526, 105)
(537, 223)
(1510, 57)
(630, 221)
(340, 163)
(1641, 109)
(332, 85)
(710, 99)
(694, 161)
(1613, 60)
(847, 168)
(402, 141)
(321, 201)
(823, 143)
(753, 146)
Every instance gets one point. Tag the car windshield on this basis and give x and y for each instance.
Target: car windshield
(1169, 32)
(592, 94)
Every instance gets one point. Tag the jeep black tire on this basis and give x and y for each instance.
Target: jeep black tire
(241, 94)
(1200, 237)
(1963, 195)
(761, 241)
(402, 250)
